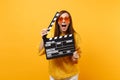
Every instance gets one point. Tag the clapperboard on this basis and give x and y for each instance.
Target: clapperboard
(58, 46)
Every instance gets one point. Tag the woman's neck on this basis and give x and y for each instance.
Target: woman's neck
(63, 33)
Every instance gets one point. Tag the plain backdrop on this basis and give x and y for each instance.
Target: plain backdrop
(97, 22)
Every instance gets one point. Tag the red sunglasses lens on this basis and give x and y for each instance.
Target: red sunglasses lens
(67, 19)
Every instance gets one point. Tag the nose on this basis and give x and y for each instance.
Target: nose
(63, 20)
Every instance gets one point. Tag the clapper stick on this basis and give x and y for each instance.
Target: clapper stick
(60, 45)
(51, 24)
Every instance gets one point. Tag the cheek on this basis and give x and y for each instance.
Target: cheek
(68, 22)
(59, 23)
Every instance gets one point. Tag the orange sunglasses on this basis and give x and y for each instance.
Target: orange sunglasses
(67, 19)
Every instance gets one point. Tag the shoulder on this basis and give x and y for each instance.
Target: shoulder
(77, 36)
(77, 39)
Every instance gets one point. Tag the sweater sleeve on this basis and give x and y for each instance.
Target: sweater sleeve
(41, 52)
(77, 43)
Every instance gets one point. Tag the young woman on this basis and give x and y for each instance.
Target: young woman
(63, 68)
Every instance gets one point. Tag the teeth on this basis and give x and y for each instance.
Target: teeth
(63, 24)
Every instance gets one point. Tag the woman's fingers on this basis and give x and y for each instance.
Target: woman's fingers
(75, 55)
(44, 32)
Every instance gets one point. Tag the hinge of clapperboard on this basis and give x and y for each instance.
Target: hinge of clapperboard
(51, 24)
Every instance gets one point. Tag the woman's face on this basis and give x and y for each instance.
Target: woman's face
(64, 22)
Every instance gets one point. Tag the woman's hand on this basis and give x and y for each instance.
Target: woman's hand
(44, 32)
(75, 57)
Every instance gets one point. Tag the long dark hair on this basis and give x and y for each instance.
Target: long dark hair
(70, 29)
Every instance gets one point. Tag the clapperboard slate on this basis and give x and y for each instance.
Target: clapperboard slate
(58, 46)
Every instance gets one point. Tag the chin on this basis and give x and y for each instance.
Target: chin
(64, 30)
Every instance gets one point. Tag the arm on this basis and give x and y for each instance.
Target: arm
(76, 55)
(41, 47)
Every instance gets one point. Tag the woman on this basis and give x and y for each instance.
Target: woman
(63, 68)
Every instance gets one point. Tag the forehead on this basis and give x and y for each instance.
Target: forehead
(64, 15)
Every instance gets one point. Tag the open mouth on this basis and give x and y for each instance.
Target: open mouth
(64, 25)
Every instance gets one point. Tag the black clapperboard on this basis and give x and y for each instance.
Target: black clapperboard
(58, 46)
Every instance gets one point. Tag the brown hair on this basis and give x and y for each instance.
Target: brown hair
(70, 29)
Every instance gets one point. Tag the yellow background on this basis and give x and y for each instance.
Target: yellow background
(97, 21)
